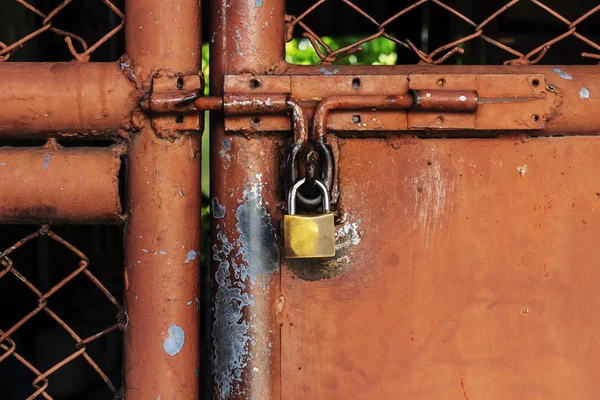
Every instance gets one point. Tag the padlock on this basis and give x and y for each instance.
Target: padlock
(309, 235)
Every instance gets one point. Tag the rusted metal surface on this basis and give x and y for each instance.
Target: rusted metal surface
(464, 269)
(68, 184)
(65, 99)
(542, 100)
(389, 102)
(163, 233)
(445, 100)
(8, 346)
(300, 128)
(173, 94)
(255, 104)
(443, 53)
(248, 37)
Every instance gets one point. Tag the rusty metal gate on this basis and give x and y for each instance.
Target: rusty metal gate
(464, 200)
(106, 161)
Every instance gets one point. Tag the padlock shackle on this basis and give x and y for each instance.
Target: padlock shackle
(294, 192)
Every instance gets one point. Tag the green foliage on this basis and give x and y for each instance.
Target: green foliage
(380, 51)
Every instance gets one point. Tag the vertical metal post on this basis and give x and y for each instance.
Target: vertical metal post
(247, 36)
(163, 233)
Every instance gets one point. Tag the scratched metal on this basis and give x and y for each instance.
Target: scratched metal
(246, 36)
(472, 275)
(162, 266)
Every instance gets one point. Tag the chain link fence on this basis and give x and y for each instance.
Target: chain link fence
(41, 384)
(46, 23)
(381, 29)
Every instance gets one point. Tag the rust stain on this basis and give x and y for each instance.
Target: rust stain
(409, 304)
(464, 390)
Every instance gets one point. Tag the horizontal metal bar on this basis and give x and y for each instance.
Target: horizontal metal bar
(445, 100)
(75, 100)
(547, 100)
(63, 185)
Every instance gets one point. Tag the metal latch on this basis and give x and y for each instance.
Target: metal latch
(425, 102)
(503, 102)
(170, 103)
(363, 103)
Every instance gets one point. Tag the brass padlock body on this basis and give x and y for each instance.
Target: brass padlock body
(309, 235)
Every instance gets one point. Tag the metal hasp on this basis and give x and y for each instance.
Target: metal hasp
(309, 235)
(406, 102)
(414, 101)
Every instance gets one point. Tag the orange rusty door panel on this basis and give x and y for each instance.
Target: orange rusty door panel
(467, 270)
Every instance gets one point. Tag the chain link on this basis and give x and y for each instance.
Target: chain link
(6, 50)
(8, 347)
(441, 54)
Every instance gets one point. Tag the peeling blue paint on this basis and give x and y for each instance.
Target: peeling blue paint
(218, 210)
(562, 74)
(238, 40)
(226, 144)
(325, 71)
(175, 341)
(230, 331)
(46, 161)
(584, 93)
(259, 3)
(191, 256)
(243, 263)
(258, 237)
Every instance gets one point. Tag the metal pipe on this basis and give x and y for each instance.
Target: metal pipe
(162, 243)
(248, 38)
(209, 103)
(400, 102)
(445, 100)
(63, 185)
(235, 104)
(75, 100)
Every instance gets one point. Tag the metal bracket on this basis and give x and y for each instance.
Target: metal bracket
(505, 102)
(170, 103)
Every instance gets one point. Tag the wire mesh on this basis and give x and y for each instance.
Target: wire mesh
(77, 46)
(8, 346)
(381, 29)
